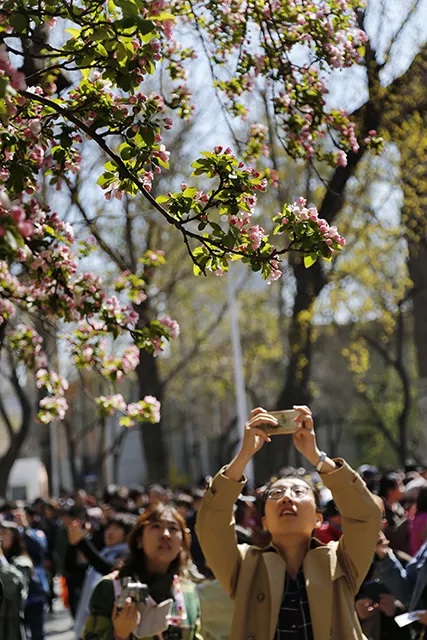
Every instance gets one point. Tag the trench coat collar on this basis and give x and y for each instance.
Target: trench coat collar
(321, 569)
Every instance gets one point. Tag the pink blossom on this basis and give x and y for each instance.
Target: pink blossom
(171, 325)
(341, 158)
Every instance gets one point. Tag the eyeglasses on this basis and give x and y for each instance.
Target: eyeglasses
(296, 491)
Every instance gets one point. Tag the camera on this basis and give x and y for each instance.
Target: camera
(137, 591)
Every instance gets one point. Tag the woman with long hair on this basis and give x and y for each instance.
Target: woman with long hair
(159, 558)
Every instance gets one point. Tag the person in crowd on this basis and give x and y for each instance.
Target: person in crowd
(80, 499)
(376, 605)
(156, 494)
(370, 475)
(196, 552)
(331, 528)
(183, 502)
(396, 530)
(418, 522)
(376, 608)
(408, 583)
(117, 497)
(51, 525)
(115, 549)
(137, 499)
(243, 518)
(35, 543)
(158, 557)
(295, 587)
(14, 592)
(14, 550)
(72, 563)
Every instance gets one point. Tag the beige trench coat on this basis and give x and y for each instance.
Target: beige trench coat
(254, 578)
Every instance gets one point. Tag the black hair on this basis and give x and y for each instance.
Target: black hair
(290, 473)
(422, 499)
(114, 493)
(388, 482)
(123, 520)
(17, 547)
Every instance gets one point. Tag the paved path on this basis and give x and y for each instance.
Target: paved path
(59, 624)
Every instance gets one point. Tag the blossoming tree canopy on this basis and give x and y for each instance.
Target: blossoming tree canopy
(71, 72)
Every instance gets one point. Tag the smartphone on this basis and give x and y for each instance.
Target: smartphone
(286, 424)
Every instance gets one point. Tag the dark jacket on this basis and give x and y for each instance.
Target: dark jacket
(12, 605)
(99, 625)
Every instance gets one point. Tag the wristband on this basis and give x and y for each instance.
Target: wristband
(321, 460)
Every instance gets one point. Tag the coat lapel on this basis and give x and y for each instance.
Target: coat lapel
(321, 569)
(276, 569)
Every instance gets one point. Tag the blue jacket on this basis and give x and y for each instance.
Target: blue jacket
(36, 544)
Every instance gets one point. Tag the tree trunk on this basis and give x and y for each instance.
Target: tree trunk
(310, 282)
(155, 449)
(296, 387)
(16, 438)
(72, 453)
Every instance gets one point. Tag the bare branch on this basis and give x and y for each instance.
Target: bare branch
(115, 255)
(400, 30)
(6, 419)
(201, 339)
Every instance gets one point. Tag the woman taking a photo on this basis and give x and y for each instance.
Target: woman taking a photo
(296, 588)
(159, 558)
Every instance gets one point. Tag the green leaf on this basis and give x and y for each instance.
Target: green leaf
(310, 260)
(19, 22)
(121, 54)
(189, 192)
(101, 50)
(126, 421)
(162, 199)
(148, 137)
(126, 151)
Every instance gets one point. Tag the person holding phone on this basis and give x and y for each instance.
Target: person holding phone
(295, 588)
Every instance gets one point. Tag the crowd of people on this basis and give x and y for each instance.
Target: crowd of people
(326, 553)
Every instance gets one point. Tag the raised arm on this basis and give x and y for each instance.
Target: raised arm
(359, 509)
(215, 520)
(360, 521)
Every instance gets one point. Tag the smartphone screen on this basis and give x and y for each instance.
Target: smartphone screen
(286, 424)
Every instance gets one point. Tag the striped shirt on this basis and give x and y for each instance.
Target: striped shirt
(294, 615)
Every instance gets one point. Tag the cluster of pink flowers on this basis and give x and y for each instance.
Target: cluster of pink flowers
(275, 272)
(146, 410)
(333, 39)
(17, 78)
(298, 213)
(171, 325)
(116, 368)
(28, 345)
(111, 404)
(256, 234)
